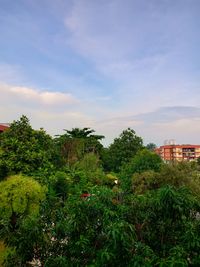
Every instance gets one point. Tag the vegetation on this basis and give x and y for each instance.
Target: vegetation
(68, 201)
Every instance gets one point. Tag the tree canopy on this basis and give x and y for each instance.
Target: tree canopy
(77, 142)
(122, 150)
(68, 201)
(151, 146)
(24, 149)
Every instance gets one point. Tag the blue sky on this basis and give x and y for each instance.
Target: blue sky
(104, 64)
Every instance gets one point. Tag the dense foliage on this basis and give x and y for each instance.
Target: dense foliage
(25, 150)
(68, 201)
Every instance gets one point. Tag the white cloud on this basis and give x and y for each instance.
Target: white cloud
(43, 108)
(35, 96)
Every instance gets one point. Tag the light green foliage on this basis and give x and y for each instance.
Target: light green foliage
(20, 200)
(111, 179)
(90, 165)
(19, 196)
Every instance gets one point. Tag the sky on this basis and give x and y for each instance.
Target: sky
(103, 64)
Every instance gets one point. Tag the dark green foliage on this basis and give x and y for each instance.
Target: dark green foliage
(122, 150)
(69, 212)
(77, 142)
(57, 261)
(143, 161)
(90, 166)
(23, 149)
(151, 146)
(60, 184)
(162, 223)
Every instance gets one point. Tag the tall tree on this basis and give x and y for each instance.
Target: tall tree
(76, 142)
(122, 150)
(23, 149)
(144, 160)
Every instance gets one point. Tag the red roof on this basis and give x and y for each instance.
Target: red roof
(3, 127)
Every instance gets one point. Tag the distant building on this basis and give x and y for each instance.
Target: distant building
(173, 152)
(3, 127)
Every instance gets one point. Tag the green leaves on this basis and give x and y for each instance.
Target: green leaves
(74, 144)
(122, 150)
(19, 196)
(24, 149)
(79, 216)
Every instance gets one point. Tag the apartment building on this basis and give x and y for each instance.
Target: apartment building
(172, 152)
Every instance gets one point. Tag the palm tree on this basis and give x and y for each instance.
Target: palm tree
(76, 142)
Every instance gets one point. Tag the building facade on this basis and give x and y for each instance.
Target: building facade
(179, 152)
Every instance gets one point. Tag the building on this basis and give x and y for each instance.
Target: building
(173, 152)
(3, 127)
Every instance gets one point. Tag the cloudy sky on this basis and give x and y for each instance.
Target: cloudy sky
(104, 64)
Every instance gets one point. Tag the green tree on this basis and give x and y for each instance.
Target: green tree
(143, 161)
(180, 174)
(151, 146)
(165, 221)
(122, 150)
(92, 172)
(19, 196)
(77, 142)
(23, 149)
(60, 183)
(177, 175)
(20, 199)
(150, 218)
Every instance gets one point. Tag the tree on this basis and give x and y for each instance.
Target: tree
(60, 184)
(165, 222)
(149, 218)
(19, 196)
(77, 142)
(143, 161)
(146, 160)
(23, 149)
(151, 146)
(92, 172)
(122, 150)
